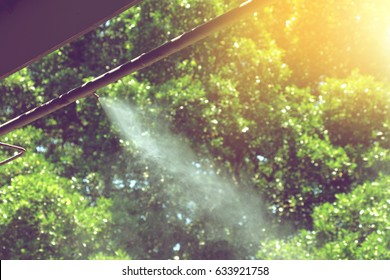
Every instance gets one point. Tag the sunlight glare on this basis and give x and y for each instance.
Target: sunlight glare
(387, 37)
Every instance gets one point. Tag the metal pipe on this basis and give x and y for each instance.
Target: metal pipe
(135, 64)
(19, 149)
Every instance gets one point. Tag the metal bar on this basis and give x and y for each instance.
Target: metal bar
(20, 149)
(135, 64)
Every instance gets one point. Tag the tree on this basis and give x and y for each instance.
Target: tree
(331, 38)
(43, 216)
(276, 123)
(355, 226)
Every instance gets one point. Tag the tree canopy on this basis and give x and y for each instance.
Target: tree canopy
(269, 139)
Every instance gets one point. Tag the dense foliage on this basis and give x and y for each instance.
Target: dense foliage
(284, 118)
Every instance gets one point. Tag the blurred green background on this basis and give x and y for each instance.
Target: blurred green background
(290, 105)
